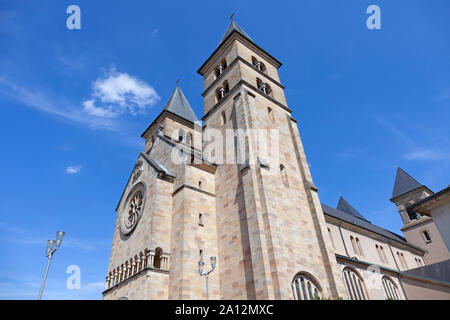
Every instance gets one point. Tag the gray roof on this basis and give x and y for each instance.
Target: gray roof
(179, 105)
(404, 183)
(343, 205)
(349, 218)
(234, 27)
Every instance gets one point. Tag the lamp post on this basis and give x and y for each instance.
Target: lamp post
(52, 246)
(201, 264)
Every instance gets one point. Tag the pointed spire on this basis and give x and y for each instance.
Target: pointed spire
(404, 183)
(233, 27)
(346, 207)
(179, 105)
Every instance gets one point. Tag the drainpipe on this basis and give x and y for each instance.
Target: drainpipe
(342, 237)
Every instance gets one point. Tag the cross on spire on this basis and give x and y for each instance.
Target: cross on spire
(178, 82)
(232, 17)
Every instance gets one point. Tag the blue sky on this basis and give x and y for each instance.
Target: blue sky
(367, 101)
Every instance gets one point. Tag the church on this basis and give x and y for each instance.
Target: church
(233, 193)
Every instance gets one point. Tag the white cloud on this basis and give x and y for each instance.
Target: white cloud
(427, 154)
(73, 169)
(112, 95)
(90, 108)
(39, 100)
(416, 151)
(122, 93)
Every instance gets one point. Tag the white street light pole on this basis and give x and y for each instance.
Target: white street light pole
(206, 274)
(52, 246)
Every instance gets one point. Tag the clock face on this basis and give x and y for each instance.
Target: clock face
(133, 209)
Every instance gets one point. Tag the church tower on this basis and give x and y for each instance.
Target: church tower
(270, 224)
(420, 230)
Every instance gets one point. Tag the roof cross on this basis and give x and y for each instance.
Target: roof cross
(232, 17)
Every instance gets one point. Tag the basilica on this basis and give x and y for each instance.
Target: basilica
(253, 220)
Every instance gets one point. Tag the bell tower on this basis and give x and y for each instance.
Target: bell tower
(270, 224)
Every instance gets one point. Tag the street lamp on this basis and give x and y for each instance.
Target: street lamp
(201, 264)
(52, 246)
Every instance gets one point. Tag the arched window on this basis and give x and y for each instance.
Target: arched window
(304, 287)
(221, 67)
(226, 87)
(355, 285)
(390, 289)
(402, 260)
(284, 177)
(223, 118)
(379, 253)
(254, 61)
(331, 238)
(222, 91)
(258, 64)
(181, 134)
(157, 259)
(383, 254)
(360, 250)
(357, 248)
(270, 114)
(199, 184)
(260, 84)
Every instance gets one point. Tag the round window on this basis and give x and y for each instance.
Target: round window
(133, 209)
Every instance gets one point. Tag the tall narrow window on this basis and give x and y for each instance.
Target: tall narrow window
(384, 255)
(223, 118)
(284, 176)
(379, 253)
(355, 285)
(305, 288)
(200, 220)
(200, 255)
(390, 289)
(270, 114)
(360, 250)
(157, 259)
(331, 238)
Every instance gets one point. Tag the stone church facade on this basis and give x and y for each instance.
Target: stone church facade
(186, 201)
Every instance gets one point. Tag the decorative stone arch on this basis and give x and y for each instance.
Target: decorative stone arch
(390, 288)
(305, 286)
(133, 208)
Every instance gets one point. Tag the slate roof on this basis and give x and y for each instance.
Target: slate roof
(349, 218)
(343, 205)
(179, 105)
(404, 183)
(234, 27)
